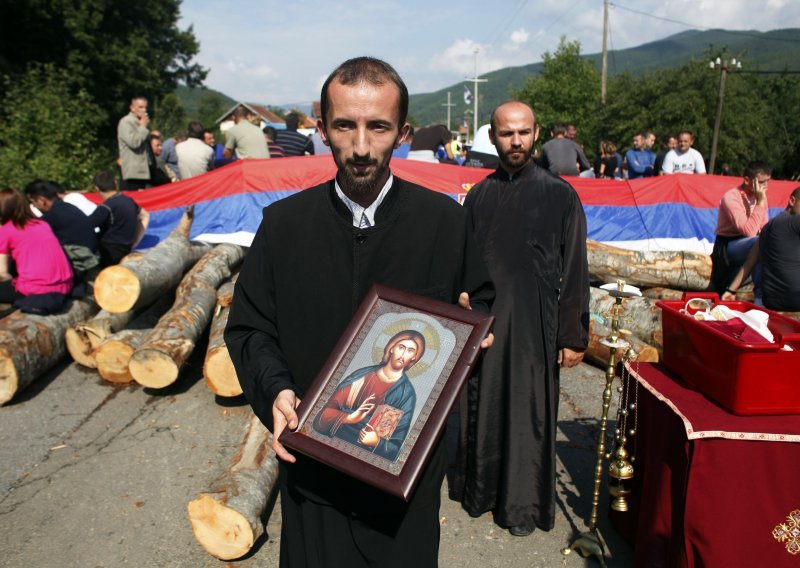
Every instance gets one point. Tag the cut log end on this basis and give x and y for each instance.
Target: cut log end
(116, 289)
(220, 375)
(112, 361)
(80, 347)
(152, 368)
(9, 378)
(223, 532)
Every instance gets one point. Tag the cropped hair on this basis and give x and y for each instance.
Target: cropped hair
(42, 188)
(365, 70)
(408, 334)
(756, 167)
(241, 112)
(270, 131)
(15, 208)
(196, 130)
(292, 121)
(104, 181)
(558, 128)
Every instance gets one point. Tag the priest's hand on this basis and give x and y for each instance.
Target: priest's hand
(463, 301)
(283, 415)
(569, 358)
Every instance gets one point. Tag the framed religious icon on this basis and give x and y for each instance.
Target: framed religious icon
(380, 403)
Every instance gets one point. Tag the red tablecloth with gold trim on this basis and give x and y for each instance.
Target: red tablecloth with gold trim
(710, 488)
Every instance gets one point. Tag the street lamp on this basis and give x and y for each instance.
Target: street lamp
(724, 67)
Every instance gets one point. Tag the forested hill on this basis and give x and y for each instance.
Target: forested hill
(775, 50)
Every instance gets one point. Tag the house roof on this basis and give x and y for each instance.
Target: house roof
(259, 110)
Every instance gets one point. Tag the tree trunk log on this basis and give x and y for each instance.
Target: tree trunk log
(157, 361)
(218, 368)
(227, 519)
(31, 344)
(671, 269)
(598, 353)
(640, 315)
(84, 337)
(114, 354)
(141, 280)
(659, 293)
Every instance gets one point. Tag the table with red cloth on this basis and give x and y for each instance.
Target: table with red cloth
(710, 488)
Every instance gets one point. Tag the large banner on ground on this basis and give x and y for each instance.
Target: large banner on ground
(676, 212)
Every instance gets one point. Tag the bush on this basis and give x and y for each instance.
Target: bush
(49, 131)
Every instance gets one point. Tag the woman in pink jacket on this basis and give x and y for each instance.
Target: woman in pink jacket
(39, 265)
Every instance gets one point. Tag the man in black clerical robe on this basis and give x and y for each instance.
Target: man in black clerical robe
(313, 259)
(531, 228)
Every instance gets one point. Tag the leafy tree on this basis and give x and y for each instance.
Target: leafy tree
(210, 108)
(48, 131)
(168, 115)
(112, 50)
(568, 90)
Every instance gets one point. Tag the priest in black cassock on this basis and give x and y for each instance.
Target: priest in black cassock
(531, 228)
(312, 261)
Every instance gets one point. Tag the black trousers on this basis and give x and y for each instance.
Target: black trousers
(8, 294)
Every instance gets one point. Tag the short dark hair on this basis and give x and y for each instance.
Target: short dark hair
(195, 130)
(756, 167)
(104, 181)
(365, 70)
(241, 112)
(558, 128)
(270, 131)
(43, 188)
(292, 121)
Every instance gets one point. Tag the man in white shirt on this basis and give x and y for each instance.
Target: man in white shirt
(195, 157)
(684, 159)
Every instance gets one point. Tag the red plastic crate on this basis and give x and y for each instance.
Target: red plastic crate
(743, 378)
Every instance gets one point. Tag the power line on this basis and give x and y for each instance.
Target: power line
(696, 27)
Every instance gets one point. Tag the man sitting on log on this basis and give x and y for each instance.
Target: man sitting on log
(121, 221)
(312, 261)
(743, 212)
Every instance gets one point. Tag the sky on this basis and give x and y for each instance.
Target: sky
(279, 53)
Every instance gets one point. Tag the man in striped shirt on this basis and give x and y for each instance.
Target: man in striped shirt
(292, 142)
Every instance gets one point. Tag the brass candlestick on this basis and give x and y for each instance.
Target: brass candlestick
(591, 542)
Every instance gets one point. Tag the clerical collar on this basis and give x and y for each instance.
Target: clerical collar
(364, 216)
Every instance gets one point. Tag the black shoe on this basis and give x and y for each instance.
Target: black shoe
(522, 530)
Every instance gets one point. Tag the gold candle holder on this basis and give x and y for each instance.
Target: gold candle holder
(591, 542)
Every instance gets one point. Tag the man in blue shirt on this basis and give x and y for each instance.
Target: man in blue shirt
(639, 160)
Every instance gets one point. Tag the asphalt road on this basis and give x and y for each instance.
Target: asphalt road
(94, 475)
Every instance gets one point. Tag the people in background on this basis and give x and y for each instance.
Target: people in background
(743, 211)
(40, 265)
(778, 253)
(245, 139)
(293, 142)
(158, 173)
(133, 144)
(669, 142)
(121, 221)
(605, 166)
(275, 149)
(639, 160)
(683, 159)
(71, 226)
(562, 156)
(195, 157)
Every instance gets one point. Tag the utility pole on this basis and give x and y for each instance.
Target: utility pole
(604, 72)
(448, 104)
(724, 68)
(475, 81)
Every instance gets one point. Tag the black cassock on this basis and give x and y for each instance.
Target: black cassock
(531, 230)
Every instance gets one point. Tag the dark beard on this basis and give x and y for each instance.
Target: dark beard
(516, 161)
(360, 186)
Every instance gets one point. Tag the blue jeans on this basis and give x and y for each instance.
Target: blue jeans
(737, 255)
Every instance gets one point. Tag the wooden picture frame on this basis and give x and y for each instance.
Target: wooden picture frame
(380, 403)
